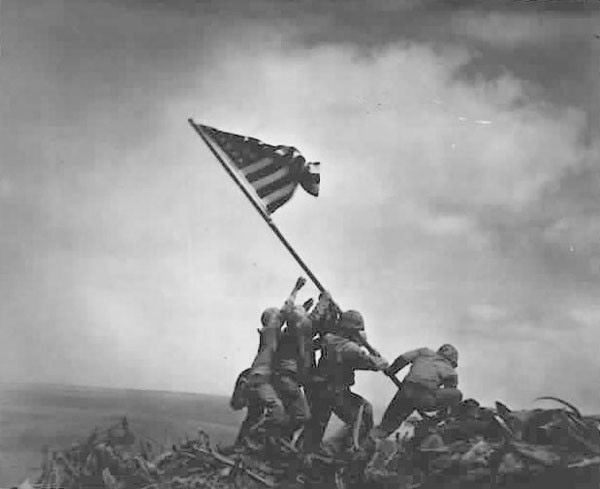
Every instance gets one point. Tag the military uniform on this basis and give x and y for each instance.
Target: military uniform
(292, 361)
(243, 398)
(262, 395)
(330, 391)
(430, 384)
(273, 382)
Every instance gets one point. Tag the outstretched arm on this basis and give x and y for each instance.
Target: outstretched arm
(402, 361)
(353, 353)
(397, 365)
(288, 305)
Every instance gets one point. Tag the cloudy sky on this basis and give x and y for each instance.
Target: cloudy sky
(459, 199)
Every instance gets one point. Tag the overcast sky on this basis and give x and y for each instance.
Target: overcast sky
(459, 201)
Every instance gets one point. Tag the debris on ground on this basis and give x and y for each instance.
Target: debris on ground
(476, 447)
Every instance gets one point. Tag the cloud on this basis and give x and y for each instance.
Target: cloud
(520, 28)
(124, 235)
(486, 313)
(528, 351)
(440, 224)
(586, 315)
(383, 127)
(575, 233)
(396, 173)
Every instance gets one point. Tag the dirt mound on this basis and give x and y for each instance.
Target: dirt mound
(477, 447)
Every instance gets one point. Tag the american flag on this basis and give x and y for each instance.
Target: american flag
(272, 172)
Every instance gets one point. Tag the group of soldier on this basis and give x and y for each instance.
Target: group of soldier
(290, 394)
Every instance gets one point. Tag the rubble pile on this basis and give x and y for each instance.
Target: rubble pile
(476, 447)
(480, 447)
(119, 459)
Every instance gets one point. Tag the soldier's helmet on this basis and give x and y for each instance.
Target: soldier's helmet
(449, 352)
(352, 320)
(269, 316)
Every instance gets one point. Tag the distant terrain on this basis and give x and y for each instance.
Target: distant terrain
(34, 415)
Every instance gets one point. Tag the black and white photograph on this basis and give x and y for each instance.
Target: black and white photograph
(321, 244)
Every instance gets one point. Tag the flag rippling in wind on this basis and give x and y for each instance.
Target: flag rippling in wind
(272, 172)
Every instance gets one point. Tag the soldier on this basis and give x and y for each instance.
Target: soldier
(261, 390)
(342, 353)
(271, 386)
(431, 384)
(292, 362)
(240, 399)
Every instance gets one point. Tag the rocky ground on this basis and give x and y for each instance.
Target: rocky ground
(477, 447)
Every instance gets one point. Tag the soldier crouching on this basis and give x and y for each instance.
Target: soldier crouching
(431, 384)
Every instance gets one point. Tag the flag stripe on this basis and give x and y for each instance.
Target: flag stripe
(290, 166)
(283, 192)
(267, 190)
(256, 166)
(263, 182)
(276, 204)
(267, 170)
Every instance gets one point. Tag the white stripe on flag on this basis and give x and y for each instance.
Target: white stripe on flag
(259, 165)
(283, 191)
(263, 182)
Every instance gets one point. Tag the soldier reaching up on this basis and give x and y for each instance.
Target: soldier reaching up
(292, 362)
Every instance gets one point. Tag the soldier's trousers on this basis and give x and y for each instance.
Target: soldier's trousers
(326, 400)
(282, 402)
(413, 396)
(265, 396)
(293, 400)
(253, 415)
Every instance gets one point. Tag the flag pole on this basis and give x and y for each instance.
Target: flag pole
(258, 208)
(275, 229)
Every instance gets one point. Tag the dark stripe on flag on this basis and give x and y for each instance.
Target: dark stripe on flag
(290, 166)
(257, 175)
(276, 185)
(273, 206)
(257, 165)
(277, 202)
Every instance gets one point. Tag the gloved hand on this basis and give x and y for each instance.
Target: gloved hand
(397, 365)
(301, 282)
(381, 363)
(389, 371)
(308, 304)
